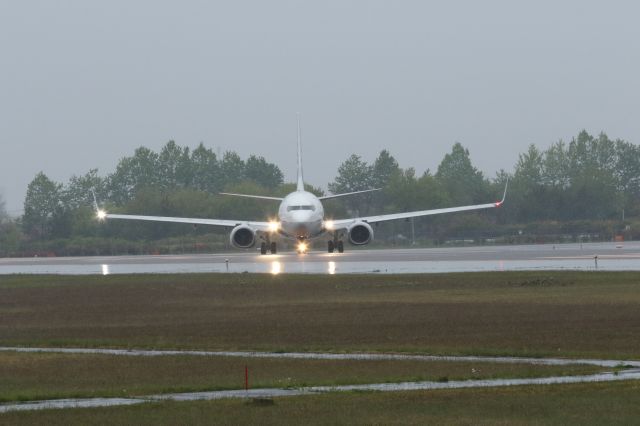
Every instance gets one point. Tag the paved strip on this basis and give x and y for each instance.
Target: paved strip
(609, 363)
(276, 393)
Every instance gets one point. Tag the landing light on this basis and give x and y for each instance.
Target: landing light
(328, 224)
(101, 214)
(274, 226)
(302, 247)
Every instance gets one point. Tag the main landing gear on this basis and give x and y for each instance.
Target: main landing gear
(333, 245)
(271, 246)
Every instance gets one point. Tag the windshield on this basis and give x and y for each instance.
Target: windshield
(289, 208)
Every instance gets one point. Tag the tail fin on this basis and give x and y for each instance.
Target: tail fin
(300, 186)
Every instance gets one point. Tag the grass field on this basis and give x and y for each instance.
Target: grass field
(580, 404)
(593, 314)
(25, 377)
(560, 314)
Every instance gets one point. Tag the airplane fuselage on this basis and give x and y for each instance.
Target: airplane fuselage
(301, 216)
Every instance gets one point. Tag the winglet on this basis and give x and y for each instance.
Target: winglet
(95, 201)
(100, 214)
(300, 185)
(504, 196)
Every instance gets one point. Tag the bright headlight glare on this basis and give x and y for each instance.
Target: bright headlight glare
(328, 224)
(101, 214)
(274, 226)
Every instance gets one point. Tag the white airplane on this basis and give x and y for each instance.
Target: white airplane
(300, 218)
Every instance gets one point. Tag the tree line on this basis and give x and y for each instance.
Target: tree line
(590, 178)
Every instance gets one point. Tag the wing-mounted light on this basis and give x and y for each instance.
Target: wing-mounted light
(274, 226)
(100, 213)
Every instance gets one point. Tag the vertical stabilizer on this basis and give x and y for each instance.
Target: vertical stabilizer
(300, 185)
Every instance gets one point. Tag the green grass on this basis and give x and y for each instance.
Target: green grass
(34, 376)
(584, 404)
(593, 314)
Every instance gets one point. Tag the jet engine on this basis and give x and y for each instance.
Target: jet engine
(243, 236)
(360, 233)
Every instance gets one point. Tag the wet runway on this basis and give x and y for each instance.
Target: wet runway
(601, 256)
(624, 374)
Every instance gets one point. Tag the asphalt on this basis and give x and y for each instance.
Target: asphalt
(604, 256)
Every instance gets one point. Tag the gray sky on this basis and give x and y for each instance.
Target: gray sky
(83, 83)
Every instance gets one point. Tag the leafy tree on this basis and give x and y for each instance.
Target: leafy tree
(174, 167)
(263, 173)
(132, 174)
(4, 216)
(384, 168)
(464, 183)
(233, 169)
(354, 174)
(556, 166)
(78, 192)
(41, 203)
(206, 170)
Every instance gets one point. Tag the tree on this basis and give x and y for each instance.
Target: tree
(463, 182)
(263, 173)
(41, 203)
(132, 174)
(353, 175)
(4, 216)
(174, 167)
(78, 192)
(233, 169)
(206, 170)
(528, 187)
(384, 168)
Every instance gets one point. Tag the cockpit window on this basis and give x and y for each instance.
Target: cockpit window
(312, 208)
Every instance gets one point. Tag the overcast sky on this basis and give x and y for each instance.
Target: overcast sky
(83, 83)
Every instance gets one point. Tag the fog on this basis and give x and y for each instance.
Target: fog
(85, 83)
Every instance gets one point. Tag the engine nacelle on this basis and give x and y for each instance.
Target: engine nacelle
(243, 236)
(360, 233)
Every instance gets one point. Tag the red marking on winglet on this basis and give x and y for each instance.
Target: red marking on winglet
(498, 204)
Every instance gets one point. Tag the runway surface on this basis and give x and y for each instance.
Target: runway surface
(624, 374)
(601, 256)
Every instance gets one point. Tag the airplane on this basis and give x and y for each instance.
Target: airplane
(300, 218)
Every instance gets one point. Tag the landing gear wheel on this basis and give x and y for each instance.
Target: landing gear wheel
(340, 247)
(330, 246)
(273, 248)
(263, 248)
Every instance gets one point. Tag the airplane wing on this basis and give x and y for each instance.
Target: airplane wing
(258, 226)
(346, 223)
(328, 197)
(260, 197)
